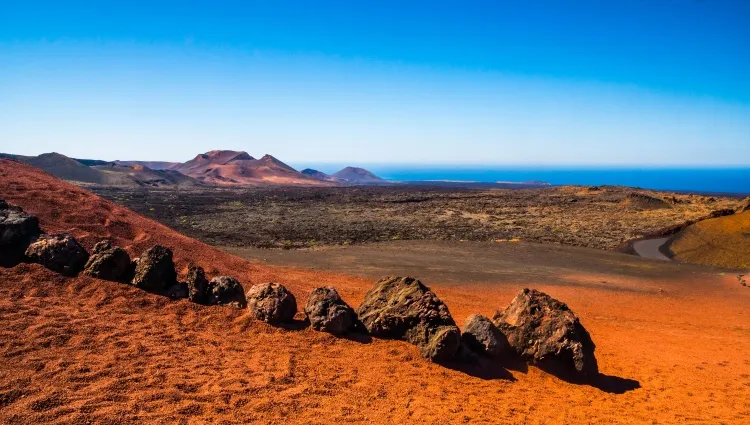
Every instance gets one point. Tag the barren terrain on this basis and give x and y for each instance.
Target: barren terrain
(721, 242)
(289, 217)
(672, 341)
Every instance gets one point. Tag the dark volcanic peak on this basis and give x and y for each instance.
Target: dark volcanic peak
(319, 175)
(13, 157)
(356, 175)
(65, 168)
(154, 165)
(92, 162)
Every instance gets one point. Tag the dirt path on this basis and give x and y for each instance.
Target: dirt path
(456, 264)
(649, 248)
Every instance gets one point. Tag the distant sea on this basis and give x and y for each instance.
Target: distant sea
(729, 180)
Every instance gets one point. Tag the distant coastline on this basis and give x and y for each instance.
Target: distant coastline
(714, 180)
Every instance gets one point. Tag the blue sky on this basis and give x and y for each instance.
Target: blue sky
(504, 82)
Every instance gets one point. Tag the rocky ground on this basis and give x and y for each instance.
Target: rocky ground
(596, 217)
(671, 340)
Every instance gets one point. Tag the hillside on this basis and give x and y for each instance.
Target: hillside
(204, 162)
(154, 165)
(95, 172)
(357, 176)
(144, 176)
(722, 242)
(69, 169)
(233, 168)
(319, 175)
(81, 350)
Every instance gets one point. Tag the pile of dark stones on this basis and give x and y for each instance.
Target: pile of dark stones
(535, 326)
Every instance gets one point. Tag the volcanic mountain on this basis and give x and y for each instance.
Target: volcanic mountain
(145, 176)
(102, 172)
(319, 175)
(69, 169)
(154, 165)
(224, 167)
(357, 176)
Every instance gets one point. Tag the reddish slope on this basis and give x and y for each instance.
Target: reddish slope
(89, 351)
(64, 207)
(202, 162)
(232, 168)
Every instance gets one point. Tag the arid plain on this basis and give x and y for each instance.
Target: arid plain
(672, 339)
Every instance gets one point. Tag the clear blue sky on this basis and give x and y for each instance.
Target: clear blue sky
(465, 82)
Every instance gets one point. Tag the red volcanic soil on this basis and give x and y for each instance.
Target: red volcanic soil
(82, 350)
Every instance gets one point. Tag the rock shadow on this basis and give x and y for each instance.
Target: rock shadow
(607, 383)
(359, 337)
(294, 325)
(514, 362)
(481, 367)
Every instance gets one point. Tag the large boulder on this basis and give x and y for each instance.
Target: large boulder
(403, 308)
(225, 290)
(108, 262)
(60, 253)
(544, 330)
(17, 230)
(154, 270)
(482, 336)
(272, 303)
(327, 312)
(197, 285)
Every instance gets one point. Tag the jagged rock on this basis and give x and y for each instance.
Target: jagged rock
(59, 253)
(197, 285)
(225, 290)
(720, 213)
(272, 303)
(327, 312)
(744, 205)
(541, 328)
(154, 270)
(17, 230)
(108, 263)
(403, 308)
(481, 335)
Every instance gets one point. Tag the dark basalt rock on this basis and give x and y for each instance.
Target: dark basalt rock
(403, 308)
(482, 336)
(178, 291)
(225, 290)
(327, 312)
(543, 329)
(108, 263)
(17, 231)
(197, 285)
(272, 303)
(59, 253)
(154, 270)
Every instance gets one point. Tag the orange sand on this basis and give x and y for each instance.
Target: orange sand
(88, 351)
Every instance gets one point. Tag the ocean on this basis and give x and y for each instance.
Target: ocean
(728, 180)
